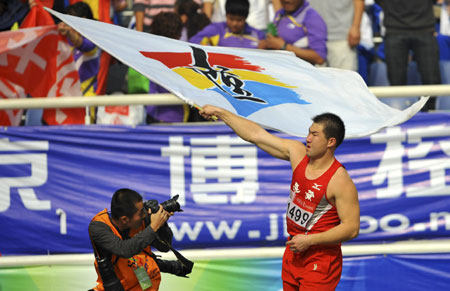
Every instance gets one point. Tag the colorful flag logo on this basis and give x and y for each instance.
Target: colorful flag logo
(275, 89)
(240, 82)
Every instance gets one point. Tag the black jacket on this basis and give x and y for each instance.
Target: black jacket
(402, 16)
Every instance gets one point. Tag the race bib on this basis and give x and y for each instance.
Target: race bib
(297, 214)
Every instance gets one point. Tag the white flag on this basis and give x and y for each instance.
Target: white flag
(275, 89)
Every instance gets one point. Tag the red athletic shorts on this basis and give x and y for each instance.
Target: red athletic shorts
(318, 268)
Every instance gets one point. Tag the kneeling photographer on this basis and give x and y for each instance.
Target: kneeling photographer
(122, 240)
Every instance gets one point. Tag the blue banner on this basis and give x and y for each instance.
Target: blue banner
(53, 180)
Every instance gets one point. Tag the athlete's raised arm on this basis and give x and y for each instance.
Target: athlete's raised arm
(285, 149)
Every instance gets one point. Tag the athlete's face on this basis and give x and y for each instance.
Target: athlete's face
(235, 23)
(291, 5)
(316, 142)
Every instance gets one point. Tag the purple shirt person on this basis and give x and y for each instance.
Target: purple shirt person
(235, 32)
(218, 34)
(165, 113)
(166, 24)
(301, 30)
(85, 53)
(87, 58)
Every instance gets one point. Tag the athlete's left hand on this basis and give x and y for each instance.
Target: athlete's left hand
(299, 243)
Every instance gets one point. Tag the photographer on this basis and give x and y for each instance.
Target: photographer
(122, 240)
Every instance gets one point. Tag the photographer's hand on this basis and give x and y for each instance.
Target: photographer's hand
(159, 218)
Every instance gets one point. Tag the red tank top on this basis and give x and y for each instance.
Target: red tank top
(309, 210)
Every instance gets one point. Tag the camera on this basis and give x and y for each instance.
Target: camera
(109, 277)
(170, 205)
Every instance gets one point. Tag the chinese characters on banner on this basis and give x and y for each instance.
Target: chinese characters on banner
(223, 159)
(232, 193)
(421, 157)
(37, 161)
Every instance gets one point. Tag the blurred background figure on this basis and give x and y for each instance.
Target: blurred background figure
(85, 53)
(12, 12)
(146, 10)
(192, 18)
(166, 24)
(108, 11)
(259, 15)
(235, 32)
(410, 26)
(300, 29)
(343, 20)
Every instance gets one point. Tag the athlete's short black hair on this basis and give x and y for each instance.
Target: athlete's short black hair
(237, 7)
(333, 126)
(123, 203)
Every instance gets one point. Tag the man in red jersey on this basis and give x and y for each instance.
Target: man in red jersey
(323, 207)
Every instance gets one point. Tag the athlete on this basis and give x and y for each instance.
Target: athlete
(323, 207)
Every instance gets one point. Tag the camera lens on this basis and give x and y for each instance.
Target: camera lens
(172, 205)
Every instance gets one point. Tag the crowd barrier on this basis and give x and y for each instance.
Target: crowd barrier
(170, 99)
(348, 250)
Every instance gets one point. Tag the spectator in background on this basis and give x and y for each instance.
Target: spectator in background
(166, 24)
(104, 11)
(192, 18)
(85, 53)
(259, 14)
(343, 20)
(410, 26)
(444, 31)
(146, 10)
(12, 12)
(235, 32)
(366, 48)
(301, 30)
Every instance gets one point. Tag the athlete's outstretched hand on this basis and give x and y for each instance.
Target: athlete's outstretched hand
(209, 112)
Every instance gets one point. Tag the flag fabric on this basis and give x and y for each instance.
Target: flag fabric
(273, 88)
(38, 16)
(10, 90)
(38, 62)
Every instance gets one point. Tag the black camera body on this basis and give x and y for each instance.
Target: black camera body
(109, 277)
(170, 205)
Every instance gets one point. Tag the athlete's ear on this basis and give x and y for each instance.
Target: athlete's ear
(331, 142)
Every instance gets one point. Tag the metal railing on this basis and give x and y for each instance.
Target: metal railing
(170, 99)
(401, 247)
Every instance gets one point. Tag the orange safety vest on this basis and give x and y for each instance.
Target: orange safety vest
(124, 266)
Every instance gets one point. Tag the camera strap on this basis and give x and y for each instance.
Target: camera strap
(106, 271)
(96, 253)
(185, 262)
